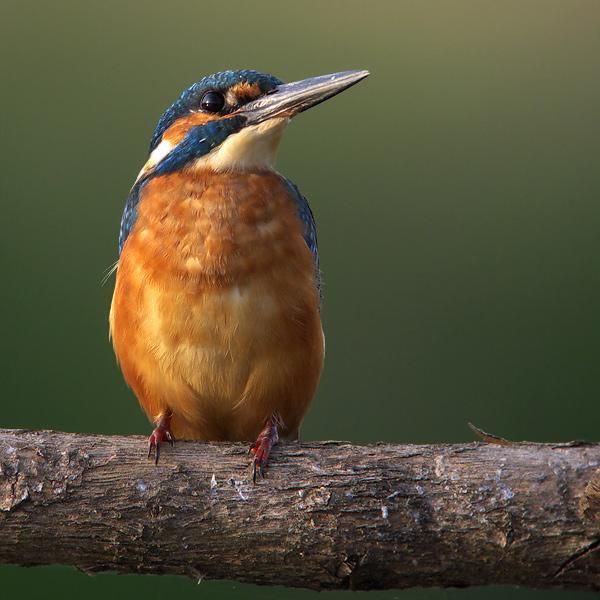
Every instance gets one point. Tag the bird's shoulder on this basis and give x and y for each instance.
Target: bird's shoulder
(305, 215)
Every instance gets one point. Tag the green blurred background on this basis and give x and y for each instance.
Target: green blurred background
(456, 192)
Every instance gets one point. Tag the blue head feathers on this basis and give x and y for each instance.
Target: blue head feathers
(221, 82)
(199, 140)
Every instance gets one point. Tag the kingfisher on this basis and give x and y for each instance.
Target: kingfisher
(215, 316)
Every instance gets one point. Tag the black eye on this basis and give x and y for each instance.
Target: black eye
(212, 102)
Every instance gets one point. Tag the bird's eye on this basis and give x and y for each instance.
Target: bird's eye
(212, 102)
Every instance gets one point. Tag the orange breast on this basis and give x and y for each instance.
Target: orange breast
(215, 313)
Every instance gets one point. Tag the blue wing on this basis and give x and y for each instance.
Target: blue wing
(310, 227)
(130, 213)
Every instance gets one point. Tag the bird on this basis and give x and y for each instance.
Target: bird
(215, 316)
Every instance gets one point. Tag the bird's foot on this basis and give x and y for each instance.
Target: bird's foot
(161, 434)
(261, 448)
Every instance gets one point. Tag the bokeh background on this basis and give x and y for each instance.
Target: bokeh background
(457, 193)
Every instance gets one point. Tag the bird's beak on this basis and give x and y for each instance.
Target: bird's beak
(289, 99)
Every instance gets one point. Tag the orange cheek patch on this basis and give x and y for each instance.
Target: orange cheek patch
(179, 129)
(245, 91)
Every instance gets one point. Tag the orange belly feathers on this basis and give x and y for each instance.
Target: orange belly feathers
(215, 314)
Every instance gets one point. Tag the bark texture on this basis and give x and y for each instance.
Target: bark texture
(329, 514)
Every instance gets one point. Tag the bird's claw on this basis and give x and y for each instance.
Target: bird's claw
(162, 433)
(259, 460)
(261, 449)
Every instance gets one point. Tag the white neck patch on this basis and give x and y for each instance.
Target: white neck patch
(157, 155)
(254, 148)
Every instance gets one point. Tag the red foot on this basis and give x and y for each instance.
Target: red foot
(261, 449)
(162, 433)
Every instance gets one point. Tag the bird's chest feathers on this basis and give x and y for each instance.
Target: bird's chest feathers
(215, 229)
(217, 265)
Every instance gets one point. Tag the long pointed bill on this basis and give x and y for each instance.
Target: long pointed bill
(290, 99)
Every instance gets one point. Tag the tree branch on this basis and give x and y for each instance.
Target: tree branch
(329, 515)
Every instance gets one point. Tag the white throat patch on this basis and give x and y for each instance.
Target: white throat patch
(254, 148)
